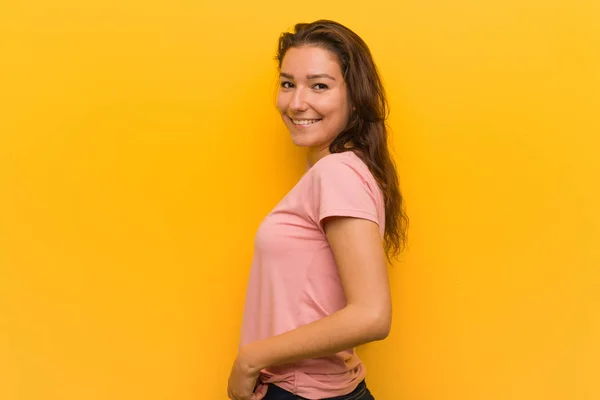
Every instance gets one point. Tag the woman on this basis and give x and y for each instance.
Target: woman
(318, 285)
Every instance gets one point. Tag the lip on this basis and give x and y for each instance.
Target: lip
(303, 126)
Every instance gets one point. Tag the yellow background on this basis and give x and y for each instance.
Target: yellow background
(140, 149)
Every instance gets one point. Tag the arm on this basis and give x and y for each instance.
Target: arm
(356, 245)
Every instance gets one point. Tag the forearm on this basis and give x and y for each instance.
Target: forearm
(342, 330)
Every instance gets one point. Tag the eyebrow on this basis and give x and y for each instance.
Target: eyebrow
(313, 76)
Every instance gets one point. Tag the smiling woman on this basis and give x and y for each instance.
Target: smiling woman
(318, 285)
(313, 98)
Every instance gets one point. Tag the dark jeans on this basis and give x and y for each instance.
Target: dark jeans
(360, 393)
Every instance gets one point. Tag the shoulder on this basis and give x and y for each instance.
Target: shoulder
(346, 167)
(340, 162)
(342, 185)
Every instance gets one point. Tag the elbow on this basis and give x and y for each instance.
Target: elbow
(382, 330)
(378, 326)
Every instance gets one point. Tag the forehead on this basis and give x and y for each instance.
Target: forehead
(300, 61)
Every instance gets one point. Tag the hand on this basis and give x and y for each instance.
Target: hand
(243, 382)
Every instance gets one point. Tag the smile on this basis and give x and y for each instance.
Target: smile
(305, 122)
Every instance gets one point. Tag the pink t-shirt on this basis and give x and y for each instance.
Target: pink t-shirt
(294, 279)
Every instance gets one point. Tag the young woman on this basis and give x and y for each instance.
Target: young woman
(318, 285)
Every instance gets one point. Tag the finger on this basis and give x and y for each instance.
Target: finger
(239, 396)
(249, 396)
(260, 392)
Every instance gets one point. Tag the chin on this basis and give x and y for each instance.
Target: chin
(301, 140)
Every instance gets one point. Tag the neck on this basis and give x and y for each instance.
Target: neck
(313, 155)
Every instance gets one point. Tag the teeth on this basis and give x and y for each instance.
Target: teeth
(305, 121)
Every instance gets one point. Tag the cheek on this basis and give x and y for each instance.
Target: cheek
(334, 107)
(281, 103)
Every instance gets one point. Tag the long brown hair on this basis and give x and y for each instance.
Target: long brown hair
(366, 132)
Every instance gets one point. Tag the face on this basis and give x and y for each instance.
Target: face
(312, 98)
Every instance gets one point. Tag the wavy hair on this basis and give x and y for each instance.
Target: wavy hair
(366, 133)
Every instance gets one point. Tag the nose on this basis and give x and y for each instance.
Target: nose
(298, 101)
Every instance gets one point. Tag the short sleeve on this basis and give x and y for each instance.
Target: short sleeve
(341, 188)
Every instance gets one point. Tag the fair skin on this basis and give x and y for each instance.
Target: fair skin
(314, 105)
(312, 99)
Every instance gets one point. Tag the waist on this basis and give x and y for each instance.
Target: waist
(317, 378)
(279, 393)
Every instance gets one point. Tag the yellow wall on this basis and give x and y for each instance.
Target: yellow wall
(140, 148)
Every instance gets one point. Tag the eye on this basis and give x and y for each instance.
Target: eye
(320, 86)
(286, 84)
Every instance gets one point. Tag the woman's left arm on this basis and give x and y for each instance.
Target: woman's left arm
(358, 251)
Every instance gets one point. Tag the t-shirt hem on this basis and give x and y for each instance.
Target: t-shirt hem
(344, 212)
